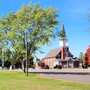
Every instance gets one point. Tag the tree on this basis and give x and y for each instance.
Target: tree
(32, 24)
(81, 57)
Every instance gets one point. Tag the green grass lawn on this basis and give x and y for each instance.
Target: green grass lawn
(18, 81)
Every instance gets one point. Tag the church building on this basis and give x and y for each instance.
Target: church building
(60, 56)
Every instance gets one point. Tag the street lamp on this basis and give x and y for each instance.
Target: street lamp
(27, 41)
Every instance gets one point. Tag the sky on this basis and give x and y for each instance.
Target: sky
(74, 14)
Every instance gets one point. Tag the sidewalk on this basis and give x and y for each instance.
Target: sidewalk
(61, 71)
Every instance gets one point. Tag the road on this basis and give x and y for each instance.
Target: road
(76, 75)
(69, 77)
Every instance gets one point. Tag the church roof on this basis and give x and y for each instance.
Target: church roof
(53, 52)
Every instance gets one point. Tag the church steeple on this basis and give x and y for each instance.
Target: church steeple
(63, 42)
(63, 37)
(63, 33)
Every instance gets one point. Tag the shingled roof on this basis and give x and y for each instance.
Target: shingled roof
(53, 52)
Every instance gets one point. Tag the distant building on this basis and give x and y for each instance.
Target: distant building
(87, 56)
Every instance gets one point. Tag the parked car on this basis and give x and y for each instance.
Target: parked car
(58, 65)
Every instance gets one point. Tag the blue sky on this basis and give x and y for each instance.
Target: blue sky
(74, 14)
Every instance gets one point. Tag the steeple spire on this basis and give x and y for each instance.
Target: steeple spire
(62, 33)
(63, 37)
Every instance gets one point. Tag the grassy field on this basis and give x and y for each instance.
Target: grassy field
(18, 81)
